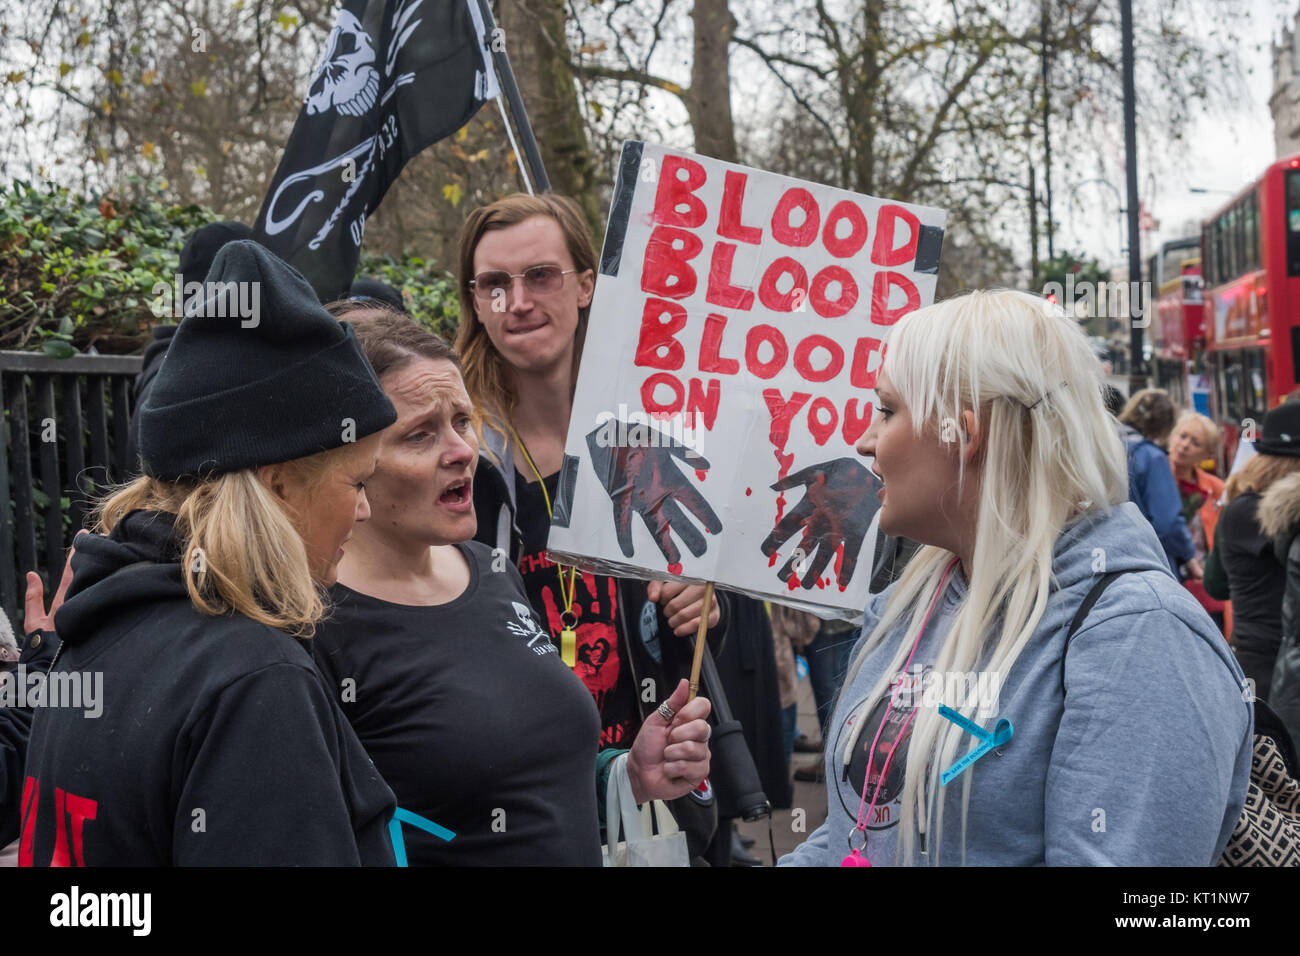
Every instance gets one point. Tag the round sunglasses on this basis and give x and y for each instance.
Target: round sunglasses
(537, 279)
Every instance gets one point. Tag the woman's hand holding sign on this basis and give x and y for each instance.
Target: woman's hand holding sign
(670, 758)
(834, 516)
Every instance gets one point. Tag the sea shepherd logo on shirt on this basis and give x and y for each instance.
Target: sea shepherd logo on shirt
(102, 909)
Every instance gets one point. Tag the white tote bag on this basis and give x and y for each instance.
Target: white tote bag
(640, 846)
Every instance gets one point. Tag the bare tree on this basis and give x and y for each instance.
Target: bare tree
(641, 44)
(538, 48)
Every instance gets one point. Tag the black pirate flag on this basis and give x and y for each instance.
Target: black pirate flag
(394, 78)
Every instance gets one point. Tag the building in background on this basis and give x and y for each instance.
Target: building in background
(1284, 103)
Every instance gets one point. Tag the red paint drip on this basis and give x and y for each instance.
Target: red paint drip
(839, 560)
(771, 560)
(700, 474)
(674, 569)
(785, 461)
(792, 582)
(821, 583)
(749, 491)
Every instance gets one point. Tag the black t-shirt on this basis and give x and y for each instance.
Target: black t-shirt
(472, 718)
(1255, 577)
(601, 657)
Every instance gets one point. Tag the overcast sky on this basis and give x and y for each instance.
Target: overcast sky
(1223, 153)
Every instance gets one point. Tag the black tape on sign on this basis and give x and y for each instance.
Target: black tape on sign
(562, 507)
(620, 209)
(928, 247)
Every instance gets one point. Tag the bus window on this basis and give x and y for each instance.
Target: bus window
(1243, 265)
(1256, 382)
(1230, 264)
(1220, 260)
(1232, 409)
(1238, 234)
(1208, 263)
(1252, 234)
(1293, 222)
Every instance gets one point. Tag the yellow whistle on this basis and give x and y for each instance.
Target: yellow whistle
(569, 646)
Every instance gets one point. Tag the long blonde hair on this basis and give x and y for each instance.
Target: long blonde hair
(1051, 454)
(241, 550)
(1260, 472)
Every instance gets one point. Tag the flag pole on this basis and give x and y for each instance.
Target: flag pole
(506, 76)
(705, 607)
(514, 147)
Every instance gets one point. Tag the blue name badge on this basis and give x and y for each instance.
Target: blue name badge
(1002, 732)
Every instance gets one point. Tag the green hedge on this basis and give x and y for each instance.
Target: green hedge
(77, 271)
(430, 295)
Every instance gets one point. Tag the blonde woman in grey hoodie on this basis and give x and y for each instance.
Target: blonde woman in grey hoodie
(965, 733)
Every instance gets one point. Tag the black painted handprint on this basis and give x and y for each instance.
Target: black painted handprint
(645, 479)
(834, 516)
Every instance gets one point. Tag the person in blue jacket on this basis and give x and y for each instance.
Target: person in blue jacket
(1145, 423)
(1126, 740)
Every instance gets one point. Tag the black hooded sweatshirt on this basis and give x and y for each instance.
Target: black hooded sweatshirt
(217, 744)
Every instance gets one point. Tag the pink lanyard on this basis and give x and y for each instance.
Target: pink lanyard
(855, 857)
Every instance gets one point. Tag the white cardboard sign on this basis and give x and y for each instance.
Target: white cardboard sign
(739, 321)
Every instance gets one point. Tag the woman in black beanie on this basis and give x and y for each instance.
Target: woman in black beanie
(205, 735)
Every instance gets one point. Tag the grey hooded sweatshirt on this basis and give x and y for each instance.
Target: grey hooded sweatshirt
(1136, 753)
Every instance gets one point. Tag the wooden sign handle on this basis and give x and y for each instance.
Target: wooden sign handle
(705, 608)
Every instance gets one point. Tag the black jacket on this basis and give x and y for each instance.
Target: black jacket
(16, 727)
(1279, 519)
(217, 741)
(1255, 580)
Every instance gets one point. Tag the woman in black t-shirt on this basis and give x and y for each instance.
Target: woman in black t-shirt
(456, 691)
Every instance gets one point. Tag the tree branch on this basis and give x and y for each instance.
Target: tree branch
(595, 72)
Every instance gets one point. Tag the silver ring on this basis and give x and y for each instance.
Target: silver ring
(666, 712)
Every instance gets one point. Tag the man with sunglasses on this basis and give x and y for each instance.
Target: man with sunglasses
(527, 271)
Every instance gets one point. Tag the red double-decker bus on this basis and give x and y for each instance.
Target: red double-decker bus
(1250, 251)
(1177, 332)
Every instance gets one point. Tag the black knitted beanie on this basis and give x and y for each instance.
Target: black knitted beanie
(257, 373)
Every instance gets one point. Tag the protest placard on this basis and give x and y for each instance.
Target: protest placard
(739, 321)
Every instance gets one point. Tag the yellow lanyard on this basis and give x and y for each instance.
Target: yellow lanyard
(568, 636)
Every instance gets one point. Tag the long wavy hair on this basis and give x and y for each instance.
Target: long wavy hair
(487, 375)
(1258, 474)
(240, 547)
(1051, 454)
